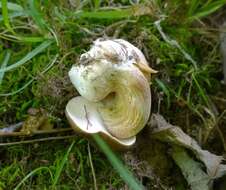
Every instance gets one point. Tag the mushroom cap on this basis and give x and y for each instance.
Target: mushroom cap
(113, 81)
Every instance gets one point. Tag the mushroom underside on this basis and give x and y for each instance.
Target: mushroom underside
(85, 118)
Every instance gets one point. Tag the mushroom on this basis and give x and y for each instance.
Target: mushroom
(113, 81)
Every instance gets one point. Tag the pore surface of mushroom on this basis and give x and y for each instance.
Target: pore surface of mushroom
(113, 81)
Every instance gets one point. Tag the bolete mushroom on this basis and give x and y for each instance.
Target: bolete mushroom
(113, 81)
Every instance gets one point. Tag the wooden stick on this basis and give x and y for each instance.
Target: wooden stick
(38, 132)
(37, 140)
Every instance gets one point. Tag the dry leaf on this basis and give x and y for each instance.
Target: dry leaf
(192, 170)
(174, 135)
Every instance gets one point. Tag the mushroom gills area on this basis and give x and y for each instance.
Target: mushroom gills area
(85, 118)
(126, 109)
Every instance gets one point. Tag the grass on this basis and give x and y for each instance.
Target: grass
(41, 40)
(55, 178)
(4, 64)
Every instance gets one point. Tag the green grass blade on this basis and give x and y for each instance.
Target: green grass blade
(201, 91)
(163, 87)
(25, 39)
(124, 173)
(14, 15)
(37, 170)
(193, 6)
(29, 56)
(174, 43)
(30, 81)
(13, 7)
(113, 14)
(209, 2)
(19, 90)
(30, 39)
(6, 16)
(61, 166)
(36, 15)
(97, 4)
(4, 64)
(110, 14)
(208, 9)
